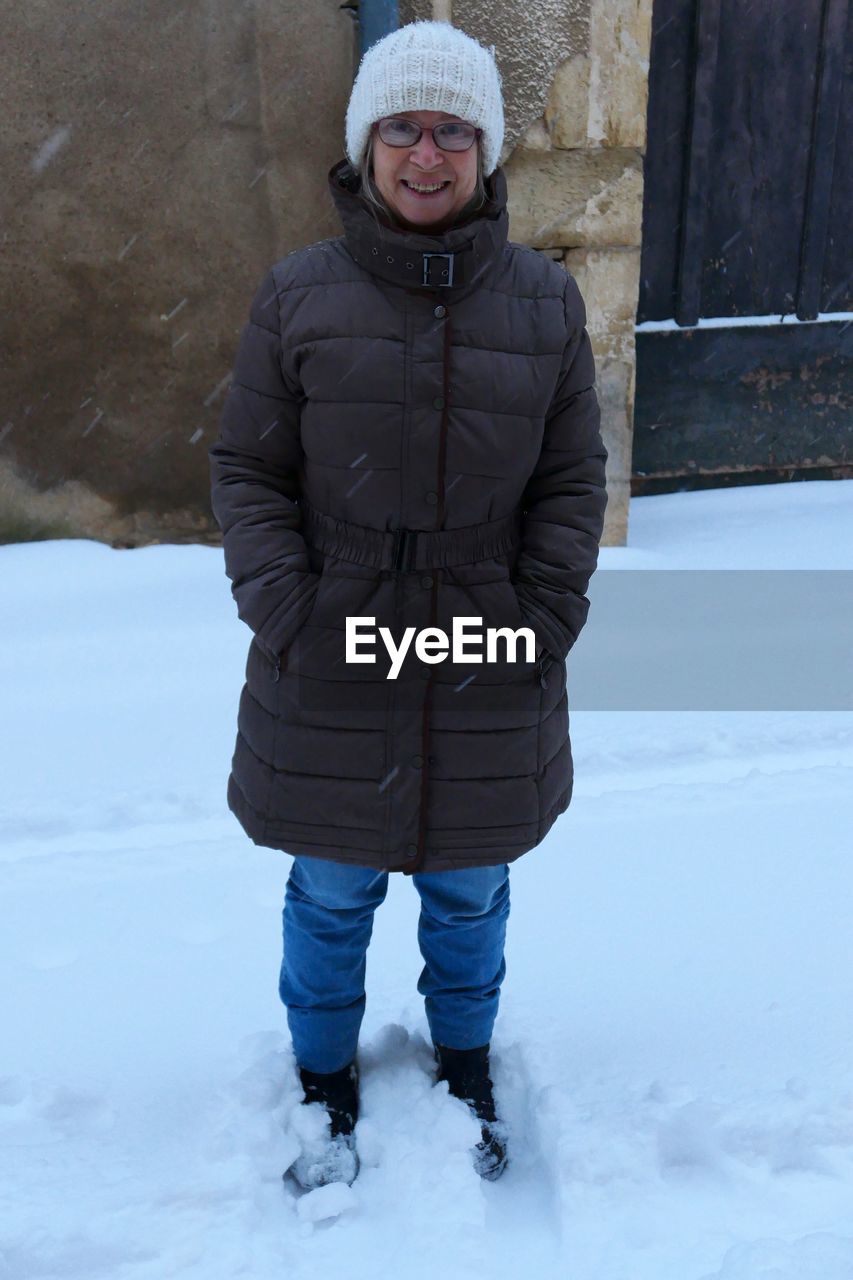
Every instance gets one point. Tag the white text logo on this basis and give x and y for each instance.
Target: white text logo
(432, 644)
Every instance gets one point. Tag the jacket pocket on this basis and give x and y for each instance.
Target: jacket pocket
(495, 601)
(342, 593)
(544, 657)
(544, 663)
(277, 662)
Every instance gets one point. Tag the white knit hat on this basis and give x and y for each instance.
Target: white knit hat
(427, 66)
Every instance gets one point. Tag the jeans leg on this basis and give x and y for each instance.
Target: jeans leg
(461, 934)
(327, 923)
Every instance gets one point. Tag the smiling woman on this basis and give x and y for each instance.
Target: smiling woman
(423, 177)
(411, 435)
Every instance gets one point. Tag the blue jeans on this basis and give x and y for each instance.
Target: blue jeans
(327, 924)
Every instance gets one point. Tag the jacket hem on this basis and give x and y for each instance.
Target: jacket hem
(297, 840)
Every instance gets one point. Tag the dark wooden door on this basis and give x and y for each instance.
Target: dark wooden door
(745, 319)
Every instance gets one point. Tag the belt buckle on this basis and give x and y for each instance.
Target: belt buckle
(403, 550)
(441, 284)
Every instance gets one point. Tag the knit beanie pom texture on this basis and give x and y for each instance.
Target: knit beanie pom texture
(427, 66)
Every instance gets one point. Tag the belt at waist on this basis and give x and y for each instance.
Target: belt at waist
(409, 550)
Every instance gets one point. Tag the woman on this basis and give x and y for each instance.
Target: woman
(411, 437)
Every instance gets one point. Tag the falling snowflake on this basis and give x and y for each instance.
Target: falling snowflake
(50, 147)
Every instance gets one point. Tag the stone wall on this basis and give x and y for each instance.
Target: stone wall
(575, 76)
(155, 163)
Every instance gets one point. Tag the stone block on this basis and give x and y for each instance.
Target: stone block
(536, 137)
(599, 97)
(620, 36)
(567, 112)
(575, 199)
(615, 388)
(609, 280)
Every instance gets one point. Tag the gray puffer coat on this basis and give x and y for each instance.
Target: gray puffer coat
(411, 434)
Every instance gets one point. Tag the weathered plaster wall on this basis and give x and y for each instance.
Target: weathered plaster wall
(154, 163)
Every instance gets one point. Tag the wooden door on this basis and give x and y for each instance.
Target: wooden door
(745, 319)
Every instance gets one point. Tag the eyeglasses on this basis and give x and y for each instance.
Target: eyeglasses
(450, 135)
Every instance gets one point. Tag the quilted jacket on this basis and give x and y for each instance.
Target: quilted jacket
(411, 435)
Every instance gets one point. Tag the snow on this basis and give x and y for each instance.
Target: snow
(803, 525)
(672, 1054)
(741, 322)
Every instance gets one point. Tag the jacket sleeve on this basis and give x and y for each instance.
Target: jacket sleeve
(254, 470)
(565, 498)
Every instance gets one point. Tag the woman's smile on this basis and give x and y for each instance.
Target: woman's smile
(423, 190)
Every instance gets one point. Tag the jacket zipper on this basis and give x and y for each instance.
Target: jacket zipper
(425, 730)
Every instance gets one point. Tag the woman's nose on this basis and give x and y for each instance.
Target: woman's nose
(426, 153)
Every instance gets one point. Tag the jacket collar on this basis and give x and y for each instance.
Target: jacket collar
(449, 262)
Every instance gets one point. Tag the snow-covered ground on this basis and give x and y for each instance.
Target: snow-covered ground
(673, 1052)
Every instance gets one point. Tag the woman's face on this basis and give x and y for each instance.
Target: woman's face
(425, 164)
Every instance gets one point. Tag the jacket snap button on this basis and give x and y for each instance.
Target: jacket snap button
(417, 761)
(426, 580)
(440, 312)
(431, 497)
(438, 402)
(411, 850)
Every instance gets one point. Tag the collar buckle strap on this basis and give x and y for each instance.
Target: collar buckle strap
(430, 274)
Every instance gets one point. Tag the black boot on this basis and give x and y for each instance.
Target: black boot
(467, 1074)
(334, 1158)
